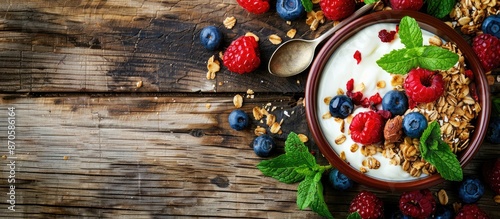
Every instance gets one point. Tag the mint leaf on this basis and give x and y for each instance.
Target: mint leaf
(410, 33)
(298, 165)
(307, 189)
(282, 169)
(354, 215)
(399, 61)
(370, 1)
(307, 4)
(319, 205)
(446, 164)
(437, 58)
(293, 166)
(438, 153)
(496, 105)
(310, 194)
(440, 8)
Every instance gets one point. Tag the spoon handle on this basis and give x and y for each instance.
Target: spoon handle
(353, 16)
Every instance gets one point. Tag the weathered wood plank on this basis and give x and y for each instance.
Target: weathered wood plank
(140, 157)
(156, 156)
(53, 46)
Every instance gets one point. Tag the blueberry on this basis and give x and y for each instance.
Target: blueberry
(491, 25)
(493, 133)
(395, 102)
(414, 124)
(399, 215)
(443, 212)
(263, 145)
(341, 106)
(210, 37)
(471, 190)
(290, 9)
(339, 181)
(238, 120)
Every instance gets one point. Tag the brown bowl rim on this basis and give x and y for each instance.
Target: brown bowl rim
(428, 23)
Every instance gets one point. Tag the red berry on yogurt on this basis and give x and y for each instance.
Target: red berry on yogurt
(423, 86)
(367, 128)
(357, 56)
(386, 36)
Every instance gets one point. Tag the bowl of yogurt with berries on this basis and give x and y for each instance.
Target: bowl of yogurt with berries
(397, 100)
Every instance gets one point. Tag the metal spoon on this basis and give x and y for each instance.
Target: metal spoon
(294, 56)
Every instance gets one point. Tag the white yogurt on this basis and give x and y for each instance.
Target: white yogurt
(340, 68)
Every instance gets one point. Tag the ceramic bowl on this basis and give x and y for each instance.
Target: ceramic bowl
(426, 22)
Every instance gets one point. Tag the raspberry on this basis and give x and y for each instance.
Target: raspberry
(242, 55)
(491, 174)
(367, 128)
(423, 86)
(255, 6)
(407, 4)
(337, 9)
(471, 211)
(386, 36)
(487, 48)
(417, 204)
(367, 205)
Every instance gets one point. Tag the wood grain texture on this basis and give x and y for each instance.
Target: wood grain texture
(109, 45)
(158, 157)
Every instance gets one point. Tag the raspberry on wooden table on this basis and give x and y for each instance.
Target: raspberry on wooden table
(471, 211)
(419, 204)
(255, 6)
(414, 5)
(487, 48)
(368, 205)
(242, 55)
(337, 9)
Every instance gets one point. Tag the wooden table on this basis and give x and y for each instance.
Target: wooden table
(90, 142)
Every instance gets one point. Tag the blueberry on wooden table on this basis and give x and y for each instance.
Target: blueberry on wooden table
(443, 212)
(290, 9)
(493, 133)
(210, 37)
(471, 190)
(263, 145)
(339, 181)
(491, 25)
(238, 120)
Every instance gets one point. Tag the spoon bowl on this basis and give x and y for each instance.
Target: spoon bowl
(296, 55)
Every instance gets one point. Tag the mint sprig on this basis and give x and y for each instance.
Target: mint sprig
(410, 33)
(307, 4)
(440, 8)
(298, 165)
(415, 54)
(438, 153)
(370, 1)
(354, 215)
